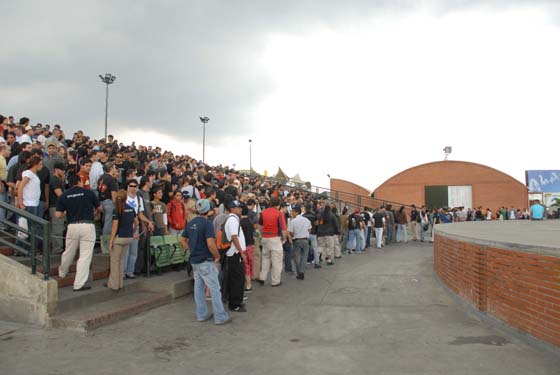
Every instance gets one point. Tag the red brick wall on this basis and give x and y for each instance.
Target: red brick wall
(350, 193)
(519, 288)
(490, 187)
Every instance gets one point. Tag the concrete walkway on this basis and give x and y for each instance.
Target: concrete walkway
(382, 312)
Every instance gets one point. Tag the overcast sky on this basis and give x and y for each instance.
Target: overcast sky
(359, 90)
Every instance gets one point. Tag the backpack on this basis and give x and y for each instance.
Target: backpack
(222, 242)
(352, 222)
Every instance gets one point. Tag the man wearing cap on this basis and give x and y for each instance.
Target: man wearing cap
(274, 233)
(79, 205)
(198, 237)
(234, 275)
(56, 189)
(299, 228)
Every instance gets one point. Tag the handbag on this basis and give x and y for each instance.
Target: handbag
(22, 222)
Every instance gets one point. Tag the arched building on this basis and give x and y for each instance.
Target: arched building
(454, 183)
(449, 184)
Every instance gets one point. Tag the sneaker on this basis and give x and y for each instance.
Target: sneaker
(280, 283)
(224, 322)
(330, 263)
(245, 298)
(239, 309)
(130, 276)
(260, 281)
(248, 290)
(317, 266)
(300, 276)
(210, 316)
(337, 257)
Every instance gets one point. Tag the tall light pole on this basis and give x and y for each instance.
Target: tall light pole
(250, 157)
(107, 80)
(204, 121)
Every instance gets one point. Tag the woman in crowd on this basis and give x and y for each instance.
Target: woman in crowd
(29, 189)
(123, 231)
(176, 213)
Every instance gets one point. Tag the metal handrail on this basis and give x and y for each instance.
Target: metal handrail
(33, 222)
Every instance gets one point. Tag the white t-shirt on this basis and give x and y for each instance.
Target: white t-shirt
(23, 138)
(134, 202)
(32, 190)
(95, 174)
(233, 227)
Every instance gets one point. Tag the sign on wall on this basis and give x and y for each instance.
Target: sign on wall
(543, 181)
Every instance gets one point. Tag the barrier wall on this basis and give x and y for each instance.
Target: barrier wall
(518, 287)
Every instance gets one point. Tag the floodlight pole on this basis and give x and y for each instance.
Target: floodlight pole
(107, 80)
(250, 157)
(204, 121)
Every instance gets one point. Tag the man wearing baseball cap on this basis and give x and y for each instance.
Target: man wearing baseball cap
(198, 236)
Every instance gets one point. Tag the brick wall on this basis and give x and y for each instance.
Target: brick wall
(522, 289)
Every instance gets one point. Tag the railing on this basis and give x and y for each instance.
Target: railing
(27, 246)
(340, 198)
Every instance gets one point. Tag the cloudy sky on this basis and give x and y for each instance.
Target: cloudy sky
(359, 90)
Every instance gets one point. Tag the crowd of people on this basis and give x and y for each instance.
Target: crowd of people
(239, 228)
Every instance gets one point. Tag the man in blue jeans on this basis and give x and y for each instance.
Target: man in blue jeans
(198, 236)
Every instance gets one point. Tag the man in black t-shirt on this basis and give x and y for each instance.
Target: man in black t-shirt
(355, 226)
(379, 224)
(79, 205)
(56, 188)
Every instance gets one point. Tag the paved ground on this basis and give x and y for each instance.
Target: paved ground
(376, 313)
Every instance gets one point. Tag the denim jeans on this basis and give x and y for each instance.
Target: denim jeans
(3, 198)
(300, 250)
(108, 207)
(288, 257)
(344, 242)
(389, 234)
(206, 275)
(401, 233)
(368, 236)
(354, 240)
(34, 229)
(314, 248)
(130, 257)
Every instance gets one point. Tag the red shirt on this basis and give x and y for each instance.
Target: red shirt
(272, 220)
(84, 178)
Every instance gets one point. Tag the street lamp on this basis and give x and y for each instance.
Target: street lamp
(204, 121)
(107, 80)
(250, 157)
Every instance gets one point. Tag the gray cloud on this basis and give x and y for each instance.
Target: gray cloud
(174, 60)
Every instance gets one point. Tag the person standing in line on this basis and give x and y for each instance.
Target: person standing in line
(299, 228)
(537, 211)
(198, 237)
(313, 248)
(136, 202)
(56, 189)
(343, 219)
(79, 205)
(415, 221)
(107, 193)
(274, 233)
(390, 224)
(327, 229)
(379, 224)
(402, 222)
(123, 231)
(29, 191)
(355, 225)
(234, 274)
(249, 232)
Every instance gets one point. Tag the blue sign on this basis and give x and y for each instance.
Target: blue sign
(543, 181)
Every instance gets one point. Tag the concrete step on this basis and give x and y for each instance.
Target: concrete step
(95, 274)
(69, 300)
(87, 310)
(126, 305)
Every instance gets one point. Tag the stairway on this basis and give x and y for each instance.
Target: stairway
(87, 310)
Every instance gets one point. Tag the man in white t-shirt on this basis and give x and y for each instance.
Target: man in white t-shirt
(134, 201)
(234, 277)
